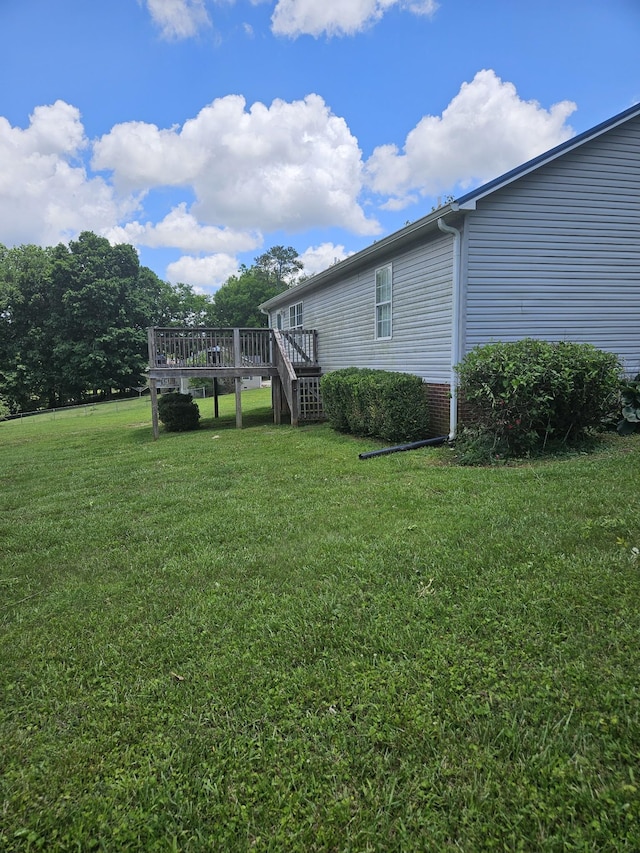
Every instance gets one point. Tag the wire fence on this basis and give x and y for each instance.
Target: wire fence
(83, 410)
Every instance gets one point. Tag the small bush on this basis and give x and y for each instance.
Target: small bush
(530, 395)
(178, 412)
(376, 403)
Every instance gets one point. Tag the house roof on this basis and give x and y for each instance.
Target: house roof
(468, 201)
(404, 236)
(428, 223)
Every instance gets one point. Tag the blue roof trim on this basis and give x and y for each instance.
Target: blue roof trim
(575, 141)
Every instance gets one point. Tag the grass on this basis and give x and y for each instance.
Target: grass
(253, 640)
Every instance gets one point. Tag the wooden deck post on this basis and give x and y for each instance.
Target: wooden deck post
(237, 360)
(216, 410)
(238, 402)
(276, 399)
(154, 408)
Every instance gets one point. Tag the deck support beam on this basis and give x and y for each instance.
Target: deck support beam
(238, 402)
(153, 390)
(276, 399)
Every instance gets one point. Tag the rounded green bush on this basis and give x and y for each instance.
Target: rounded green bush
(376, 403)
(531, 395)
(178, 412)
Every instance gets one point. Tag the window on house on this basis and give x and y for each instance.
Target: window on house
(383, 302)
(279, 320)
(295, 316)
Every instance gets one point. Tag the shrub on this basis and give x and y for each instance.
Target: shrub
(178, 412)
(630, 398)
(377, 403)
(337, 389)
(530, 395)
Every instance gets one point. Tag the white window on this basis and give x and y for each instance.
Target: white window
(383, 302)
(295, 316)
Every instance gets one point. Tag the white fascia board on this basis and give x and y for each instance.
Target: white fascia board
(365, 256)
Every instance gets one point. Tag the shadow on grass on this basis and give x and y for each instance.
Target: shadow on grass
(252, 418)
(262, 416)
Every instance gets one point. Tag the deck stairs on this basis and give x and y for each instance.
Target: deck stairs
(298, 375)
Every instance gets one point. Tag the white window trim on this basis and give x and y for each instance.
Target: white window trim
(378, 304)
(294, 308)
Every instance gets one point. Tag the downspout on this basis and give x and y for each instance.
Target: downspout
(456, 298)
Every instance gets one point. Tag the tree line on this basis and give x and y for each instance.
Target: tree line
(73, 318)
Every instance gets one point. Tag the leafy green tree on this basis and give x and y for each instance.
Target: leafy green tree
(74, 319)
(101, 341)
(27, 326)
(237, 302)
(181, 306)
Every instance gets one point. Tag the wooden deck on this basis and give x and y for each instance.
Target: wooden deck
(289, 358)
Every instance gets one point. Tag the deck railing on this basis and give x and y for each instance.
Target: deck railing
(301, 346)
(227, 348)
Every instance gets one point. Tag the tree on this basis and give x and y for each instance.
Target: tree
(102, 324)
(237, 302)
(181, 306)
(280, 265)
(73, 319)
(27, 326)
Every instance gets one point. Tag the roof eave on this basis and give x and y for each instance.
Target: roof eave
(462, 205)
(468, 201)
(349, 265)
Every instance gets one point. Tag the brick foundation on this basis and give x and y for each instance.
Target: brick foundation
(439, 402)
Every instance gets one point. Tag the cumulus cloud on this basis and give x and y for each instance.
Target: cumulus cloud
(337, 17)
(181, 230)
(319, 258)
(178, 19)
(205, 275)
(485, 131)
(45, 193)
(182, 19)
(285, 166)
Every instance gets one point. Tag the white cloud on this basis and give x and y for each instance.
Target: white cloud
(204, 274)
(319, 258)
(181, 230)
(182, 19)
(45, 193)
(287, 166)
(178, 19)
(253, 170)
(337, 17)
(485, 131)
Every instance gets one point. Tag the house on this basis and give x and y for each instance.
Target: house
(549, 250)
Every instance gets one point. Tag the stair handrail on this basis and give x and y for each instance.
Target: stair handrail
(287, 375)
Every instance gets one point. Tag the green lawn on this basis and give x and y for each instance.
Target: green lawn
(232, 640)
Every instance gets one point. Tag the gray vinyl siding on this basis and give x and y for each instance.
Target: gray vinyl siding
(343, 313)
(556, 254)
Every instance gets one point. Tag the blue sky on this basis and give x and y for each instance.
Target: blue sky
(206, 131)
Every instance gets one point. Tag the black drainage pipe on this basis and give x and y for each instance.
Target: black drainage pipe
(398, 448)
